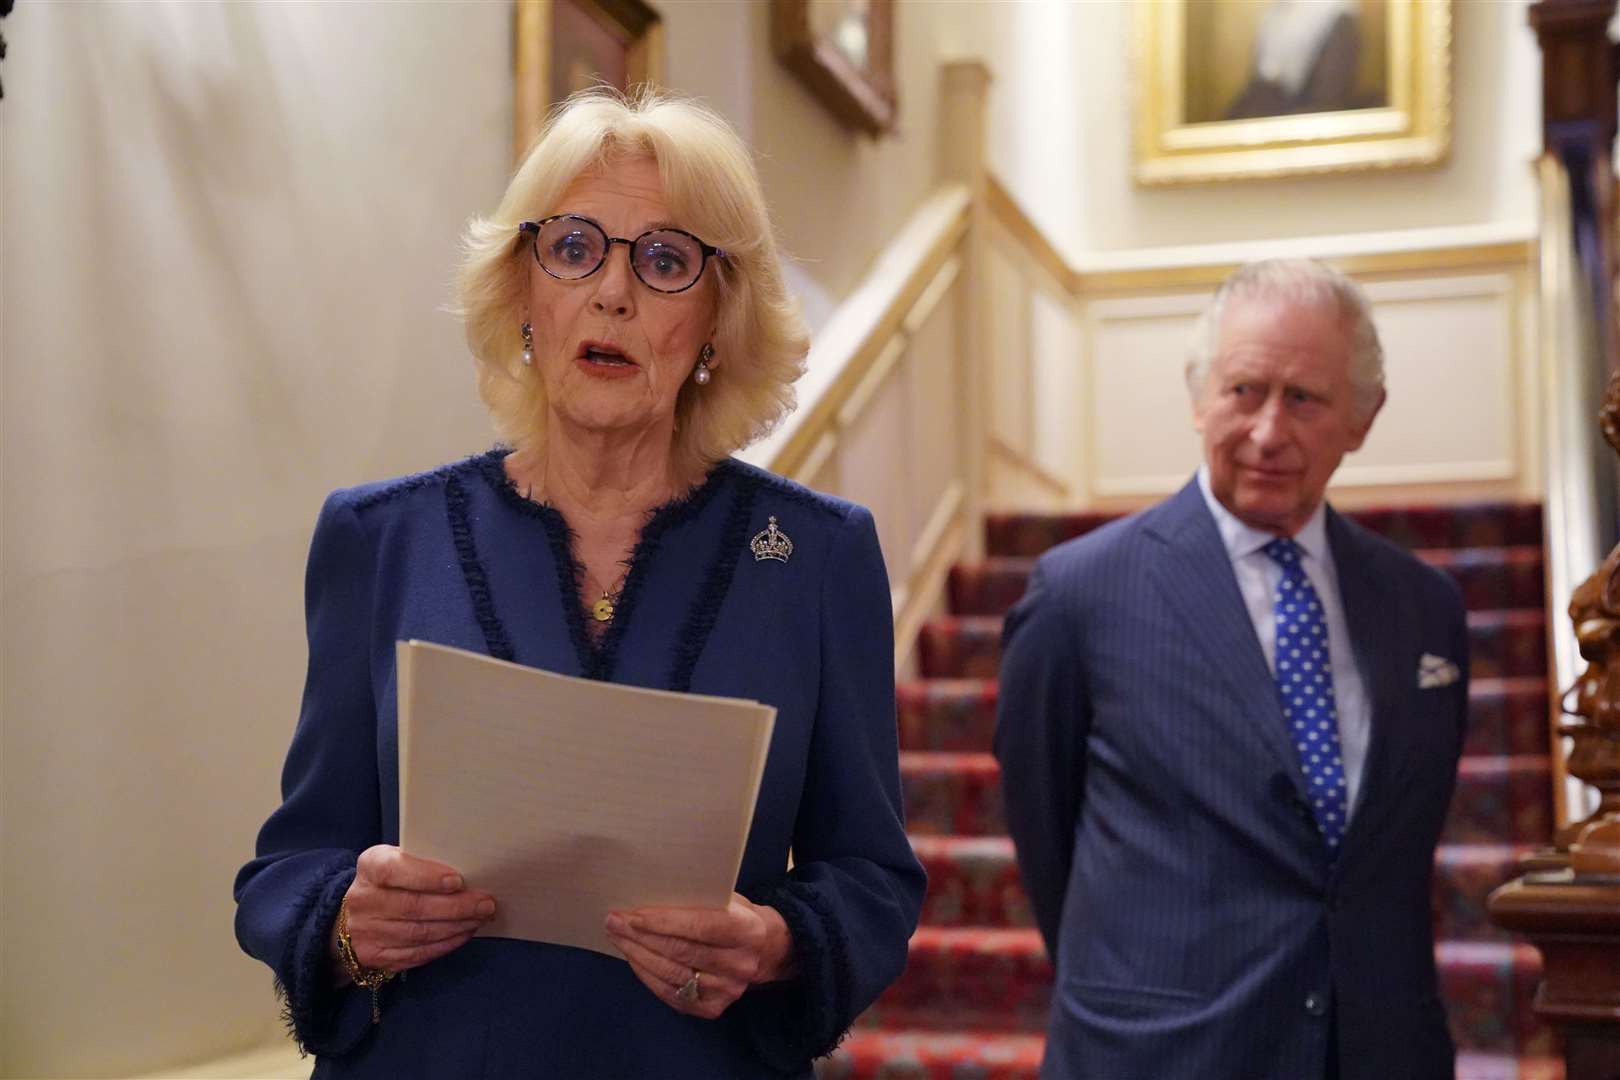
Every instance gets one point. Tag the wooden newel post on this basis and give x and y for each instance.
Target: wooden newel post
(963, 120)
(1580, 67)
(1568, 901)
(1573, 917)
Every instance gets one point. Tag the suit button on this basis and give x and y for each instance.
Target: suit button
(1316, 1004)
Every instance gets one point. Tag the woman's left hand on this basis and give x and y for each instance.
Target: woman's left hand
(729, 950)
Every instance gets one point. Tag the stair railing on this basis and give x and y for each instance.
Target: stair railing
(890, 409)
(1033, 315)
(1571, 372)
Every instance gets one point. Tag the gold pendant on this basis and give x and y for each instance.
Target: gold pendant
(602, 610)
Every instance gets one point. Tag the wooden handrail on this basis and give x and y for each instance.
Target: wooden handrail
(847, 348)
(1570, 364)
(1030, 237)
(1206, 266)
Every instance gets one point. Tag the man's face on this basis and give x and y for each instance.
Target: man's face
(1277, 412)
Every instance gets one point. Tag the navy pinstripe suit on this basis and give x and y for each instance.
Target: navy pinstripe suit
(1198, 925)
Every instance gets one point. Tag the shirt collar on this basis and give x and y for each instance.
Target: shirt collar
(1244, 540)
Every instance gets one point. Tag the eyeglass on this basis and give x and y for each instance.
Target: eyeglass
(570, 247)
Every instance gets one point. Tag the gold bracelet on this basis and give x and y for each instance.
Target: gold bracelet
(365, 977)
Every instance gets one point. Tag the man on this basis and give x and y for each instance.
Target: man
(1229, 730)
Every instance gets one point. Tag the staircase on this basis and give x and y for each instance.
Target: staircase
(972, 1002)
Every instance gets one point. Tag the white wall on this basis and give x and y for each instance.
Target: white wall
(1044, 106)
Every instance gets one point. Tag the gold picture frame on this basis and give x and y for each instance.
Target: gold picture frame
(1333, 86)
(560, 46)
(843, 52)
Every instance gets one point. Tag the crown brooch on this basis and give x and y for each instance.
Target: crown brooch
(771, 543)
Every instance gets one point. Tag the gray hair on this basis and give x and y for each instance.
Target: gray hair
(1298, 281)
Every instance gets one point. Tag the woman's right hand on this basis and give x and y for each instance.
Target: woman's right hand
(405, 911)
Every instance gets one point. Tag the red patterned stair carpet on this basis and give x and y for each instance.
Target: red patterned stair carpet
(972, 1003)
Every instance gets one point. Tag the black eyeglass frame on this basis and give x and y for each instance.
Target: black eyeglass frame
(532, 230)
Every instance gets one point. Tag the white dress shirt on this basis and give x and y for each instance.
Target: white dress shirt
(1257, 578)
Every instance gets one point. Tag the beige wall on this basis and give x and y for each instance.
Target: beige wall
(228, 232)
(836, 197)
(1060, 138)
(1440, 331)
(1488, 179)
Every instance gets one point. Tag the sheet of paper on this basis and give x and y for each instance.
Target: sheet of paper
(567, 798)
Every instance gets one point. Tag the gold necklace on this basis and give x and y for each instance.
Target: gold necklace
(602, 610)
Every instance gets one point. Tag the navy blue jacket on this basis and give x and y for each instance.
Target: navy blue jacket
(457, 557)
(1199, 927)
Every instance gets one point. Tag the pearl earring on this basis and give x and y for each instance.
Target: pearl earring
(528, 345)
(702, 375)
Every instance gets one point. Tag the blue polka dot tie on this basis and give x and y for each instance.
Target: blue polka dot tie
(1305, 684)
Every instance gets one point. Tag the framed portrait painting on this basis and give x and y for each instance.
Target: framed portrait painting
(560, 46)
(843, 52)
(1233, 89)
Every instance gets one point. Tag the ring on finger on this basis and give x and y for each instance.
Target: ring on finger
(690, 990)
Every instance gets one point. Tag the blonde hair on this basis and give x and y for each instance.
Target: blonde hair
(713, 191)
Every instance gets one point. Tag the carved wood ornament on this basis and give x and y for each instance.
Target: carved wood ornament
(1594, 844)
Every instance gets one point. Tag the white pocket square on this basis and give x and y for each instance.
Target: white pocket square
(1436, 671)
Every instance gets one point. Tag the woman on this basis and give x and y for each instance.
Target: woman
(631, 330)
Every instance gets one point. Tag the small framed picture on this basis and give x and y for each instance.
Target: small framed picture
(1237, 89)
(561, 46)
(843, 51)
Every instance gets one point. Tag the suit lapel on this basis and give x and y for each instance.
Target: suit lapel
(1196, 575)
(1368, 607)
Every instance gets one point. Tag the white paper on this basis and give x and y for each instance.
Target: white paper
(568, 798)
